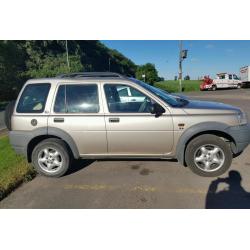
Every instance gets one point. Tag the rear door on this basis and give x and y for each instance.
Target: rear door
(78, 111)
(131, 128)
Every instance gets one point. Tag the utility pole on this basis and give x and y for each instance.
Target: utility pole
(182, 56)
(109, 64)
(67, 53)
(180, 67)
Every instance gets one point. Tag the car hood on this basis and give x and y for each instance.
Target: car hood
(196, 107)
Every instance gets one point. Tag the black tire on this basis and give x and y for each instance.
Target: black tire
(208, 139)
(239, 86)
(214, 87)
(60, 147)
(8, 114)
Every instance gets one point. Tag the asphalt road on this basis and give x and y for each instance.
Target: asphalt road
(142, 184)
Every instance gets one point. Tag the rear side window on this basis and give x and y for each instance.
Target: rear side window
(77, 99)
(33, 98)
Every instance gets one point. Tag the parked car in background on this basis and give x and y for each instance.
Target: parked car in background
(222, 81)
(107, 115)
(245, 76)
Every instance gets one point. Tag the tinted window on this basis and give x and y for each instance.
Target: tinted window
(123, 91)
(230, 77)
(117, 103)
(33, 98)
(135, 92)
(77, 99)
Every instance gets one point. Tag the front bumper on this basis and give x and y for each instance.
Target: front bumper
(241, 136)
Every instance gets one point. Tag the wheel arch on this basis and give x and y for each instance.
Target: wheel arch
(53, 133)
(214, 128)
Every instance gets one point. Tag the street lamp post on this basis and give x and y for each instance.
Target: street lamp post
(144, 77)
(67, 53)
(109, 64)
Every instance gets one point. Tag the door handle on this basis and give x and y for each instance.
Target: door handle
(114, 120)
(58, 119)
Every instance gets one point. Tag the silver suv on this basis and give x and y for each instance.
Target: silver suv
(108, 115)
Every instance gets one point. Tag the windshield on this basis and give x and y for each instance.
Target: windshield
(173, 101)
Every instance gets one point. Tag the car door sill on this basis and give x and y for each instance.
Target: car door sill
(124, 156)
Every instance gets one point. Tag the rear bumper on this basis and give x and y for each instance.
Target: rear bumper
(19, 141)
(241, 136)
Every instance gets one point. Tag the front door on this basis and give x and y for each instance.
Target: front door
(131, 128)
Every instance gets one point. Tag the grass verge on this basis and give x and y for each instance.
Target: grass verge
(173, 86)
(14, 169)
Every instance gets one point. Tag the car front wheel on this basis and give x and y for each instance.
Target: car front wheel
(208, 155)
(51, 158)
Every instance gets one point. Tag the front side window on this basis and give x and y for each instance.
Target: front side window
(137, 102)
(33, 98)
(77, 99)
(236, 77)
(230, 77)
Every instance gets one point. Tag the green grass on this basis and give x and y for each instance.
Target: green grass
(14, 169)
(173, 86)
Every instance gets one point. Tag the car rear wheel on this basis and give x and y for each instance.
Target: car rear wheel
(51, 157)
(239, 86)
(208, 155)
(214, 87)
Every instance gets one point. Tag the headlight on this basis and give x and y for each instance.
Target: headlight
(242, 118)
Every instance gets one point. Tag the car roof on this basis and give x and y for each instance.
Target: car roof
(83, 77)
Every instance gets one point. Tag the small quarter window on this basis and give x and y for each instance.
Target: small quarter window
(33, 98)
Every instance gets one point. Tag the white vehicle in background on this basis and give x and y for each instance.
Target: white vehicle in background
(245, 76)
(225, 80)
(222, 81)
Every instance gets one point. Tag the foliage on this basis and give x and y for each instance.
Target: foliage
(21, 60)
(14, 169)
(11, 66)
(51, 66)
(173, 86)
(187, 78)
(150, 72)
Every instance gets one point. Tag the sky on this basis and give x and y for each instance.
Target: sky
(204, 57)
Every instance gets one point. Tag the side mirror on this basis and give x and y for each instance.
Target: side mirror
(157, 109)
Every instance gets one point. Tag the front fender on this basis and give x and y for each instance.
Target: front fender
(195, 130)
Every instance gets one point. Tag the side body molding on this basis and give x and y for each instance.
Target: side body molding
(66, 137)
(193, 130)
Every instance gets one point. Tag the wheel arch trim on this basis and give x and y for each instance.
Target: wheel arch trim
(201, 128)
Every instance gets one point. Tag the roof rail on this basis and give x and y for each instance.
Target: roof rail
(91, 74)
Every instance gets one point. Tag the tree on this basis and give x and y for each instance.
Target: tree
(21, 60)
(187, 77)
(11, 66)
(150, 72)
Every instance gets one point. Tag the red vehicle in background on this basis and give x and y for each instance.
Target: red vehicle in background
(207, 84)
